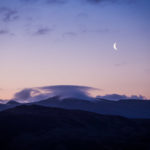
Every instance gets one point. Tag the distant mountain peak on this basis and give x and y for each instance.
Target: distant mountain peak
(12, 102)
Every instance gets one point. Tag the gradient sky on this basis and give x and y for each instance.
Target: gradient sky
(70, 42)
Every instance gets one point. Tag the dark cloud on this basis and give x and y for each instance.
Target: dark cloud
(116, 97)
(65, 1)
(43, 31)
(6, 32)
(86, 1)
(24, 94)
(63, 91)
(59, 2)
(8, 14)
(101, 1)
(31, 95)
(110, 1)
(3, 32)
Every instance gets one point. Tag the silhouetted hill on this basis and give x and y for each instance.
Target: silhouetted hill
(12, 102)
(9, 104)
(126, 108)
(3, 107)
(33, 127)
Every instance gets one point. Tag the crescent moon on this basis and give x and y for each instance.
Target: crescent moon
(115, 46)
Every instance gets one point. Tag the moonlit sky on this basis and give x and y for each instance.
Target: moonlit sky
(70, 42)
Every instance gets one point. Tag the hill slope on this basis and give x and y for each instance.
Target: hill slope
(36, 127)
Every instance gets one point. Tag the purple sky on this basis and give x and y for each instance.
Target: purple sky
(70, 42)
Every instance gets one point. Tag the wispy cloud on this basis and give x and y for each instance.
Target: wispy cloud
(4, 32)
(43, 31)
(56, 1)
(116, 97)
(59, 2)
(24, 94)
(84, 29)
(29, 1)
(96, 2)
(111, 1)
(8, 14)
(45, 1)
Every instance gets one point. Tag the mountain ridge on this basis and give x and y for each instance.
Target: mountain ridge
(125, 108)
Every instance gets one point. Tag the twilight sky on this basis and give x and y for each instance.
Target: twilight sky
(70, 42)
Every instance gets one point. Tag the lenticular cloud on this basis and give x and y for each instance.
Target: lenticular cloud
(63, 91)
